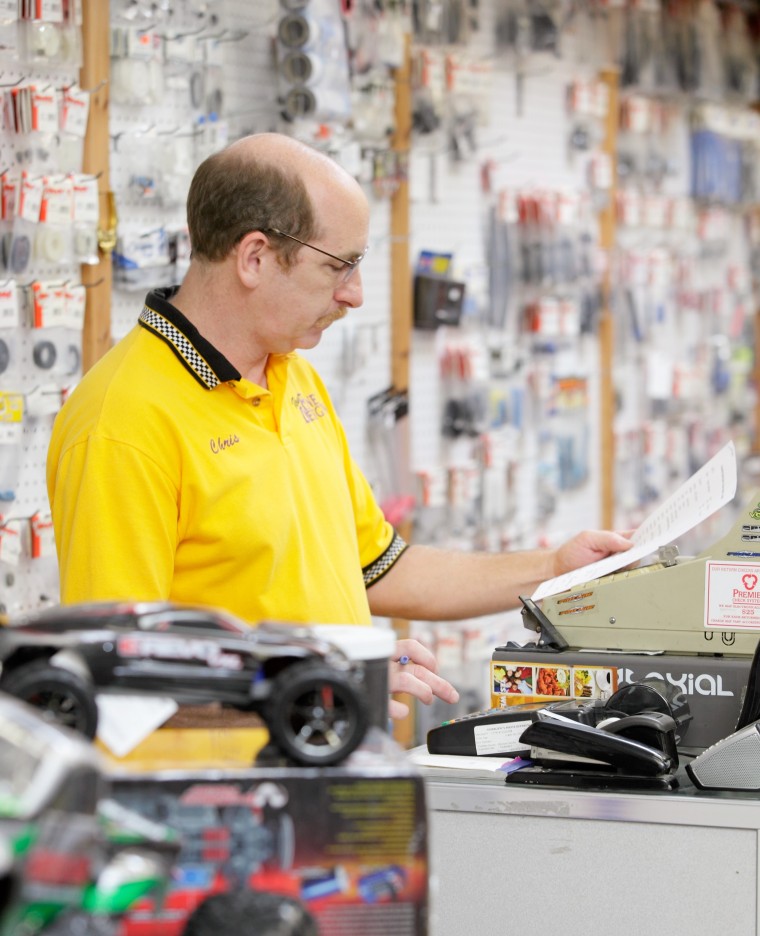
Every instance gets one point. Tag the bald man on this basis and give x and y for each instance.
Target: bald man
(201, 460)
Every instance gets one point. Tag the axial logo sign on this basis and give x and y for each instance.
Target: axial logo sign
(173, 648)
(704, 684)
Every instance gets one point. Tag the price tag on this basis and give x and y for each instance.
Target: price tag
(57, 200)
(51, 11)
(45, 111)
(75, 111)
(8, 197)
(30, 198)
(11, 418)
(49, 305)
(433, 482)
(86, 210)
(9, 306)
(10, 542)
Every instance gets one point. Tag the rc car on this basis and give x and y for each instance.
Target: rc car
(311, 696)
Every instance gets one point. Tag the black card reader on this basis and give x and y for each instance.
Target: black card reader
(492, 732)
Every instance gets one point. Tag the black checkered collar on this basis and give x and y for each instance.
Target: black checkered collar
(209, 366)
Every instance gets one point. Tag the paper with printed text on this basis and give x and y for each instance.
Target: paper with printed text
(706, 491)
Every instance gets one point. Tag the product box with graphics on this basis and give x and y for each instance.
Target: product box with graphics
(517, 677)
(713, 687)
(348, 843)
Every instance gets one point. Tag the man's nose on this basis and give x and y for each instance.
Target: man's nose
(351, 292)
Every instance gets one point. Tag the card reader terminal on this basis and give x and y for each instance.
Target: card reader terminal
(491, 732)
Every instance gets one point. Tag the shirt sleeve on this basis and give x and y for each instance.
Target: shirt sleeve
(377, 569)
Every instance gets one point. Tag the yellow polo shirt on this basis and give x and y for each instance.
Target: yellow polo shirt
(172, 477)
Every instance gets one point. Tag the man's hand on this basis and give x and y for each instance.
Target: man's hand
(587, 547)
(418, 677)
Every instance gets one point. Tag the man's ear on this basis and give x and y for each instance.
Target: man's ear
(249, 254)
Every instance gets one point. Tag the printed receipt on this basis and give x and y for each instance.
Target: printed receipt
(709, 489)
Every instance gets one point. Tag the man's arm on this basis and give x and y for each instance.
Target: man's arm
(430, 584)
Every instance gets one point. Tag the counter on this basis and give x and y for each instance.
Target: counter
(510, 859)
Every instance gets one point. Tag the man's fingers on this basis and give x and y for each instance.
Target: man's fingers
(420, 682)
(414, 652)
(414, 671)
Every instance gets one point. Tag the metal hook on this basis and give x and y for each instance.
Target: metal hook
(181, 35)
(117, 136)
(241, 34)
(98, 86)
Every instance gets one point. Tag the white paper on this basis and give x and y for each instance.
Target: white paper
(482, 766)
(126, 720)
(708, 489)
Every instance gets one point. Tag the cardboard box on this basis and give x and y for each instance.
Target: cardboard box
(349, 843)
(713, 686)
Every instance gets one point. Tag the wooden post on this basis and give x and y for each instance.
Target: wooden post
(401, 275)
(606, 325)
(401, 289)
(95, 77)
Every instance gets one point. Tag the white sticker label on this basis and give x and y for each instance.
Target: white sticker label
(496, 739)
(9, 305)
(75, 111)
(732, 596)
(11, 547)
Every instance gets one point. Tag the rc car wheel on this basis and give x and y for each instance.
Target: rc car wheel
(62, 696)
(237, 910)
(316, 715)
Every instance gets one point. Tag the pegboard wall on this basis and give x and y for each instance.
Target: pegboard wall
(221, 81)
(521, 135)
(40, 356)
(180, 88)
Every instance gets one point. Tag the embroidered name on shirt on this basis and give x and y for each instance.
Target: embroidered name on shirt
(309, 406)
(219, 444)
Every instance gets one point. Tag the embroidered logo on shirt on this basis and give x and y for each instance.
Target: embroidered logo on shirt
(219, 444)
(309, 406)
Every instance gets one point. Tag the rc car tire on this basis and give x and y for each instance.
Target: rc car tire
(316, 716)
(62, 696)
(236, 911)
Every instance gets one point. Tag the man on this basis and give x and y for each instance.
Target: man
(201, 459)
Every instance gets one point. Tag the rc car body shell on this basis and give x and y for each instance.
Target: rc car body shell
(190, 653)
(61, 658)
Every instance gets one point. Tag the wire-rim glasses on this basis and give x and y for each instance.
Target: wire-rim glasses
(350, 265)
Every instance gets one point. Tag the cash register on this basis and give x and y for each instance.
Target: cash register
(691, 622)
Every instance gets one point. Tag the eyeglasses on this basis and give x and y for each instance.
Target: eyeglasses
(350, 265)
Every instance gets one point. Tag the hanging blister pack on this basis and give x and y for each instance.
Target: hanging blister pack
(313, 69)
